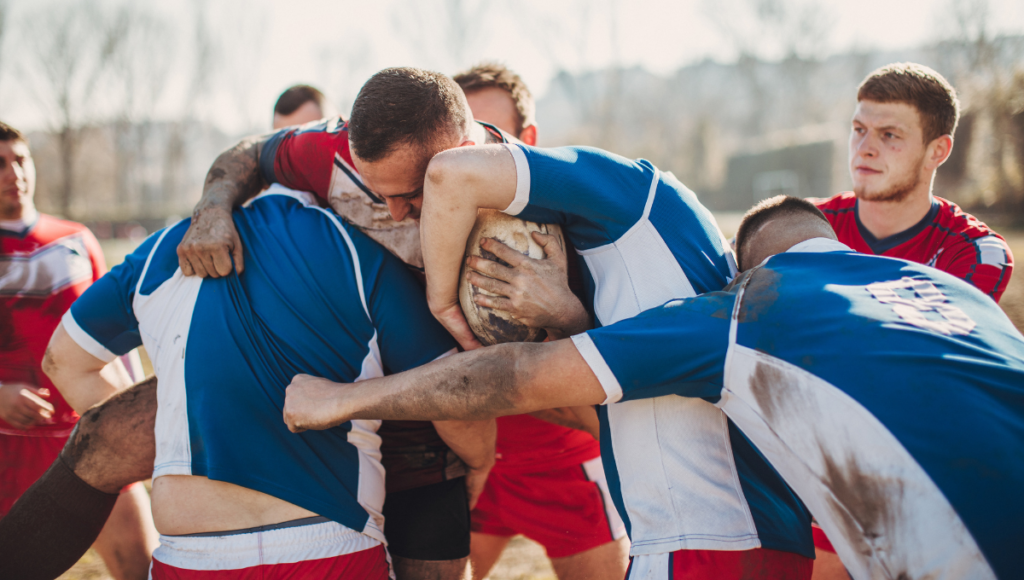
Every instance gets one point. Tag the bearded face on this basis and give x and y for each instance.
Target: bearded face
(887, 151)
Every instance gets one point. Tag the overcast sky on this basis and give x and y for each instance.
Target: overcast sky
(336, 44)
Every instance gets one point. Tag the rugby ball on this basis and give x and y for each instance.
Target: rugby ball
(497, 326)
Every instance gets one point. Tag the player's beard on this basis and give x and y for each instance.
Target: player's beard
(896, 192)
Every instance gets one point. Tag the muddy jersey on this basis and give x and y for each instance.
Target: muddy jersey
(888, 395)
(946, 238)
(225, 349)
(43, 269)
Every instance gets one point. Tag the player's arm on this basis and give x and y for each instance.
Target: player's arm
(458, 183)
(676, 349)
(81, 378)
(986, 263)
(474, 442)
(212, 241)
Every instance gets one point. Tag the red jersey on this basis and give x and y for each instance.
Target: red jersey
(43, 269)
(317, 158)
(947, 238)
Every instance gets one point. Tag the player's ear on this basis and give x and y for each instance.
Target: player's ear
(939, 150)
(529, 135)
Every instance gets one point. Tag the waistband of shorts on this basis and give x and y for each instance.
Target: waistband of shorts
(279, 545)
(289, 524)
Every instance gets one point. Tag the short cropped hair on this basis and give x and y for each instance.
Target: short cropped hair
(765, 210)
(8, 133)
(296, 96)
(398, 106)
(920, 87)
(492, 74)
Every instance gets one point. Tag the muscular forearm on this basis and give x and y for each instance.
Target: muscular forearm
(234, 177)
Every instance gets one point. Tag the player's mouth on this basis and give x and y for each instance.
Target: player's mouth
(865, 171)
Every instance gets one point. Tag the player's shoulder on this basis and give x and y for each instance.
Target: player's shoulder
(53, 228)
(964, 231)
(839, 203)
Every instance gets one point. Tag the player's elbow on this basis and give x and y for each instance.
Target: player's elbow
(442, 173)
(51, 368)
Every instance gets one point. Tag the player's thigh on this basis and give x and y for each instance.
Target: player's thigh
(605, 562)
(484, 551)
(428, 530)
(114, 444)
(410, 569)
(128, 539)
(827, 566)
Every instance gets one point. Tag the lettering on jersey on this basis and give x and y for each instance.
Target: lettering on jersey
(991, 251)
(914, 300)
(47, 270)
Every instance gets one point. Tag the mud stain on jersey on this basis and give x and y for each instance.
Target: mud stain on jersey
(766, 385)
(761, 293)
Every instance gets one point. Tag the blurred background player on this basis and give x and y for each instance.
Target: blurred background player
(45, 264)
(902, 132)
(548, 482)
(300, 104)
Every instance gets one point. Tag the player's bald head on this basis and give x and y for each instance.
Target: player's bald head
(776, 225)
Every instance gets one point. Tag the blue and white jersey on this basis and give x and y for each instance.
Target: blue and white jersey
(889, 396)
(225, 349)
(644, 239)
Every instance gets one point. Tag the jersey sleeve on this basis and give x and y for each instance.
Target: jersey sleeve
(985, 262)
(302, 157)
(102, 320)
(601, 194)
(678, 348)
(407, 333)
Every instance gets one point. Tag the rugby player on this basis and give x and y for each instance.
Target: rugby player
(301, 104)
(232, 490)
(897, 436)
(45, 264)
(644, 238)
(548, 482)
(902, 132)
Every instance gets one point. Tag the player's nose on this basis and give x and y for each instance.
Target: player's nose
(399, 208)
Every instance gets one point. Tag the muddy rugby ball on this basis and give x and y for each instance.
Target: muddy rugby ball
(497, 326)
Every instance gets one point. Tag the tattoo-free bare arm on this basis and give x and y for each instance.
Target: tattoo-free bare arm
(81, 378)
(507, 379)
(458, 183)
(212, 240)
(474, 442)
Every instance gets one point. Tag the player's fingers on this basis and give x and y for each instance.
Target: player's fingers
(221, 257)
(195, 265)
(490, 284)
(183, 263)
(495, 302)
(491, 268)
(209, 267)
(236, 254)
(34, 402)
(499, 249)
(552, 245)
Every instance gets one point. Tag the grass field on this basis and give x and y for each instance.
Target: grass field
(524, 560)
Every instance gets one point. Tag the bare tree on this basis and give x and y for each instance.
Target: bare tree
(139, 69)
(67, 53)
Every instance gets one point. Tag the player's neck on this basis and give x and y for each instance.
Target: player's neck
(25, 214)
(888, 218)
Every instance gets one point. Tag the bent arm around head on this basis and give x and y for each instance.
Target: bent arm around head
(212, 240)
(81, 378)
(458, 183)
(507, 379)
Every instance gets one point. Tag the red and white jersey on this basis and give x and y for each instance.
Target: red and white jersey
(948, 239)
(43, 269)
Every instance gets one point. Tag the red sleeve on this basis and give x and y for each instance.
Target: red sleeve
(985, 262)
(303, 157)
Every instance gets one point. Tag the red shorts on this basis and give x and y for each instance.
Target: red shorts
(821, 541)
(322, 550)
(720, 565)
(567, 511)
(23, 460)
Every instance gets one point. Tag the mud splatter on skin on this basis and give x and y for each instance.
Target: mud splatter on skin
(114, 443)
(762, 291)
(766, 385)
(216, 174)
